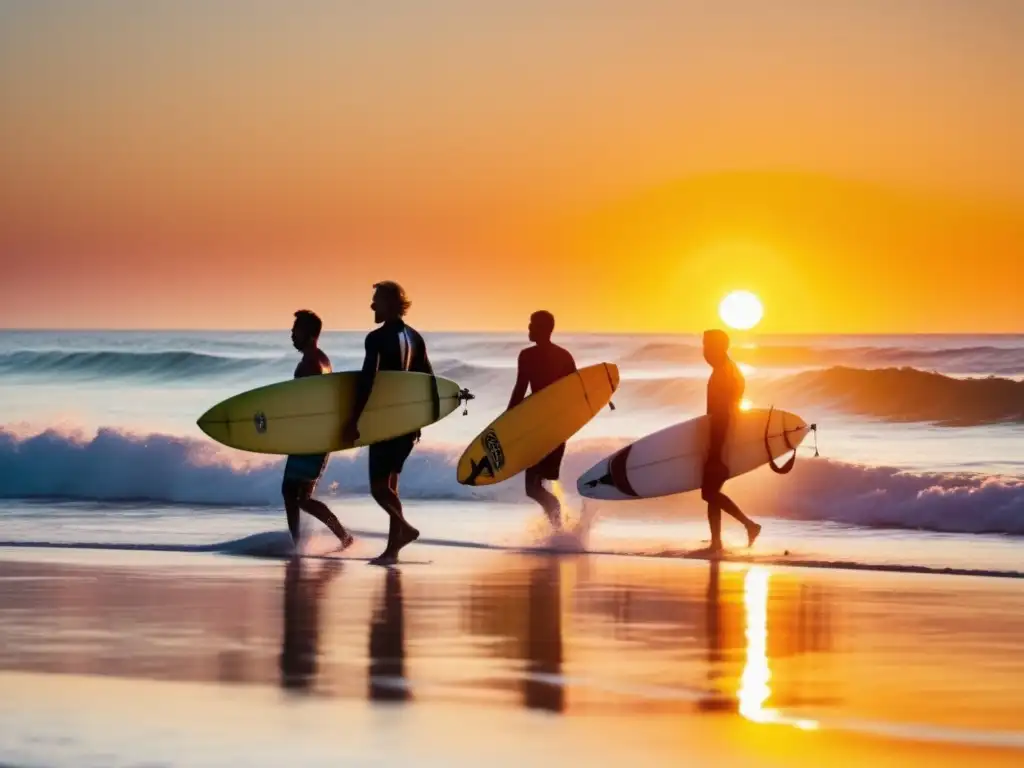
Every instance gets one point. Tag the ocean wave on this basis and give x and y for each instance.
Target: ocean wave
(907, 394)
(116, 465)
(166, 365)
(112, 465)
(171, 366)
(898, 395)
(887, 497)
(1005, 361)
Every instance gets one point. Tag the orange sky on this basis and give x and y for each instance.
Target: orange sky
(859, 165)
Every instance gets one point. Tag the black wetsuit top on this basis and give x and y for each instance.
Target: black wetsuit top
(396, 346)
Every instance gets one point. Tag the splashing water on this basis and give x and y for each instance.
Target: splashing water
(576, 525)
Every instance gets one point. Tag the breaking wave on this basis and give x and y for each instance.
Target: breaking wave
(120, 466)
(1004, 361)
(890, 394)
(906, 394)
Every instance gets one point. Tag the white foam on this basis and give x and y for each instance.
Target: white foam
(115, 465)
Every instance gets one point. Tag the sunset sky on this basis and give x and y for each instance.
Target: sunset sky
(859, 165)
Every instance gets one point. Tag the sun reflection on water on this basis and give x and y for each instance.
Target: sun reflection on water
(754, 689)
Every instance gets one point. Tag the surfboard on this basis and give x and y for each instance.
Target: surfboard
(522, 436)
(671, 460)
(306, 415)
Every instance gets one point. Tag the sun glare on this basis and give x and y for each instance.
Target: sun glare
(741, 310)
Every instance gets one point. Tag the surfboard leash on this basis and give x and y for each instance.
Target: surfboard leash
(786, 468)
(464, 397)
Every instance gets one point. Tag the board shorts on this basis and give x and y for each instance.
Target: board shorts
(550, 466)
(302, 472)
(389, 456)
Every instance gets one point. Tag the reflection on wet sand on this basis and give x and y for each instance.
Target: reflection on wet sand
(542, 685)
(755, 689)
(387, 680)
(304, 589)
(552, 634)
(521, 613)
(797, 618)
(717, 699)
(305, 586)
(718, 642)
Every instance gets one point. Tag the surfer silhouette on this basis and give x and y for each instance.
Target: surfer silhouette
(394, 346)
(725, 391)
(540, 366)
(302, 472)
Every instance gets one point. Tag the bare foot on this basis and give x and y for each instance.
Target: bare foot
(752, 533)
(407, 535)
(346, 540)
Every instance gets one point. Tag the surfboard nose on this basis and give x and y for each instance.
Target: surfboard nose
(212, 422)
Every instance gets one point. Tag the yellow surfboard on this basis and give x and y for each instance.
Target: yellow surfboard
(306, 415)
(524, 435)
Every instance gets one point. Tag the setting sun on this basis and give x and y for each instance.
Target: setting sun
(741, 310)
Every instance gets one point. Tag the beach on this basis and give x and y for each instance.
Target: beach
(754, 226)
(151, 614)
(468, 656)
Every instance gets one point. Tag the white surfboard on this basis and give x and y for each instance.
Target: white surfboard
(671, 460)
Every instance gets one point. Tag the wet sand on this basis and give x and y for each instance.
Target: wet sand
(112, 658)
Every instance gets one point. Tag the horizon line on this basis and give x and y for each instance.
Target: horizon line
(465, 331)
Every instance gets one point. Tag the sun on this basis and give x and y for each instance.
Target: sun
(741, 310)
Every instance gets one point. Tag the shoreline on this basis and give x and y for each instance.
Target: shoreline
(275, 546)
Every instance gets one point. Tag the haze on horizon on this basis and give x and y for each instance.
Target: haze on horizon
(859, 166)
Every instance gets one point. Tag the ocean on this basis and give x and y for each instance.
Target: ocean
(920, 443)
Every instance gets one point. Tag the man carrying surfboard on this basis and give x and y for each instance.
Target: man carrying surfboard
(394, 346)
(725, 392)
(302, 472)
(540, 366)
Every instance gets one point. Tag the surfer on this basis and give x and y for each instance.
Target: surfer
(540, 366)
(725, 391)
(302, 472)
(394, 346)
